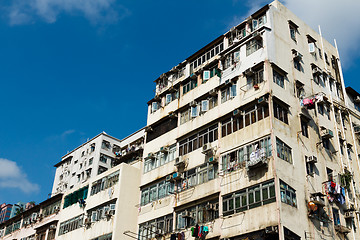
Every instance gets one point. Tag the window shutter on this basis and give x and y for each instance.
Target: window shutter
(206, 75)
(255, 24)
(168, 98)
(154, 106)
(233, 91)
(194, 111)
(237, 56)
(312, 47)
(204, 105)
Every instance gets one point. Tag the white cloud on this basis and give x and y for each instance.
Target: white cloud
(11, 176)
(338, 20)
(96, 11)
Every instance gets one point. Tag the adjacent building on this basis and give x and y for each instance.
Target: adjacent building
(5, 212)
(36, 223)
(254, 136)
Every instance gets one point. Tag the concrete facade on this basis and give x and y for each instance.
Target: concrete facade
(94, 157)
(253, 137)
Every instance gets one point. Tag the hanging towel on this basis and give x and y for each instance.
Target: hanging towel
(173, 237)
(182, 236)
(206, 229)
(192, 232)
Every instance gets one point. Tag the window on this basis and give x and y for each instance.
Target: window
(300, 91)
(215, 50)
(287, 194)
(104, 237)
(228, 93)
(155, 106)
(304, 127)
(105, 145)
(71, 224)
(257, 23)
(194, 111)
(74, 197)
(50, 209)
(197, 175)
(293, 30)
(197, 140)
(281, 112)
(91, 161)
(253, 45)
(198, 214)
(100, 212)
(148, 229)
(190, 85)
(184, 116)
(101, 169)
(245, 118)
(160, 159)
(329, 173)
(278, 78)
(326, 143)
(156, 191)
(248, 198)
(104, 183)
(310, 168)
(321, 109)
(336, 216)
(283, 151)
(236, 159)
(253, 80)
(170, 97)
(297, 64)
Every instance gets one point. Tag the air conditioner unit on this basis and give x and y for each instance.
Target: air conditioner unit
(212, 160)
(34, 217)
(172, 115)
(87, 222)
(177, 176)
(186, 214)
(349, 214)
(112, 207)
(311, 159)
(206, 148)
(179, 162)
(236, 112)
(249, 72)
(271, 229)
(262, 100)
(297, 56)
(56, 209)
(318, 199)
(327, 133)
(193, 103)
(213, 92)
(164, 149)
(150, 156)
(193, 76)
(168, 178)
(357, 99)
(210, 206)
(148, 129)
(316, 70)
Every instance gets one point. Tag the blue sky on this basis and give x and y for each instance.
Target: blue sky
(73, 68)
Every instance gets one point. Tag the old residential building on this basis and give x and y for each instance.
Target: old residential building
(37, 223)
(95, 157)
(104, 205)
(253, 136)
